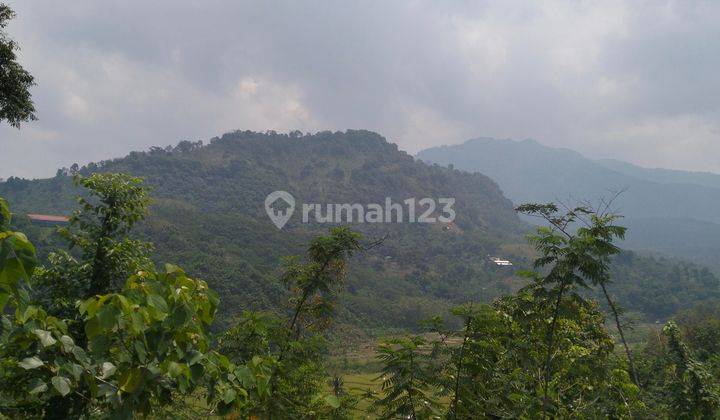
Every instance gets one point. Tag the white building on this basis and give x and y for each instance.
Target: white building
(500, 261)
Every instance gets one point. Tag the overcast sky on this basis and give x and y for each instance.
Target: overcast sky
(638, 81)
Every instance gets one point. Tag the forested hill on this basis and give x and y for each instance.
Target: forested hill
(208, 216)
(673, 212)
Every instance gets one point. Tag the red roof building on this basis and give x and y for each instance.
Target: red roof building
(46, 219)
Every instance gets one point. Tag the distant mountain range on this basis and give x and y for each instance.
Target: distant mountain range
(668, 211)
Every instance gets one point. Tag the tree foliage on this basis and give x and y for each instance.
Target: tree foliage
(76, 342)
(16, 105)
(408, 379)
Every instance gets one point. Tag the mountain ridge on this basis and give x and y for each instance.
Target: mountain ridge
(650, 198)
(208, 216)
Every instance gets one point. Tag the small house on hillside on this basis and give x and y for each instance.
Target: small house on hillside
(47, 220)
(500, 261)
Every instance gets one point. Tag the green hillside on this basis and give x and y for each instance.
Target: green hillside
(208, 216)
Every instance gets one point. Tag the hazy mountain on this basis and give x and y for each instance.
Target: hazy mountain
(209, 217)
(665, 176)
(674, 212)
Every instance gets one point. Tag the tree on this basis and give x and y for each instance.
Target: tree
(16, 104)
(575, 259)
(294, 345)
(494, 364)
(408, 380)
(145, 344)
(127, 349)
(314, 284)
(99, 232)
(693, 392)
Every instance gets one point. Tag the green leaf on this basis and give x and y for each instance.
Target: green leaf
(61, 384)
(4, 214)
(131, 379)
(99, 344)
(76, 371)
(80, 355)
(193, 357)
(157, 302)
(31, 363)
(107, 370)
(92, 327)
(178, 369)
(37, 386)
(245, 376)
(93, 305)
(45, 337)
(25, 315)
(124, 304)
(108, 317)
(67, 343)
(140, 350)
(17, 259)
(229, 396)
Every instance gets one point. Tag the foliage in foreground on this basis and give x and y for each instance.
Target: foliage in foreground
(545, 351)
(80, 345)
(77, 342)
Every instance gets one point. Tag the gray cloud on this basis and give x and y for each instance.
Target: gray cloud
(630, 80)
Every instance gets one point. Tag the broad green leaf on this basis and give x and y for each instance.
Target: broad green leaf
(61, 384)
(157, 302)
(178, 369)
(80, 355)
(245, 376)
(76, 370)
(179, 317)
(124, 304)
(67, 343)
(45, 337)
(106, 390)
(24, 315)
(93, 305)
(229, 396)
(193, 357)
(140, 350)
(17, 259)
(131, 379)
(92, 327)
(108, 317)
(31, 363)
(107, 370)
(100, 344)
(4, 214)
(37, 386)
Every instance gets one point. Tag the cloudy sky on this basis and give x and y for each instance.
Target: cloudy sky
(638, 81)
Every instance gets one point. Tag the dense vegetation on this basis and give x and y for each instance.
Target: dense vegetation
(92, 327)
(78, 342)
(101, 332)
(213, 195)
